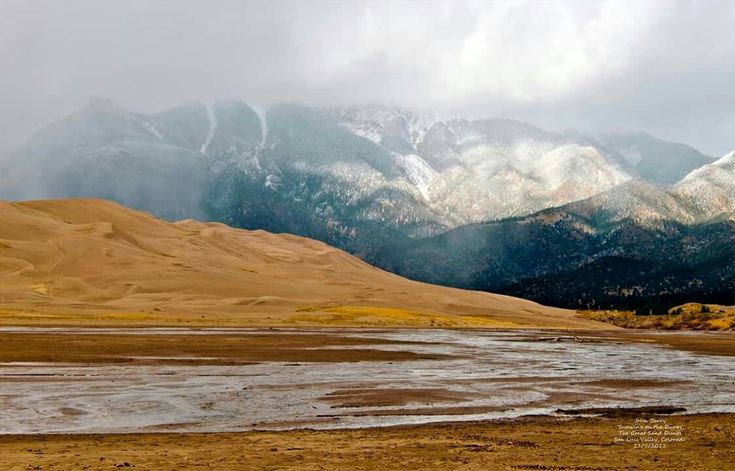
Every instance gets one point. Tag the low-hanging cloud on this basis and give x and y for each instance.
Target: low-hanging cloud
(666, 67)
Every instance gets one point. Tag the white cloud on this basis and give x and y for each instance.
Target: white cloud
(581, 63)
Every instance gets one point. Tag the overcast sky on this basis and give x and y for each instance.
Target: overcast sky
(666, 67)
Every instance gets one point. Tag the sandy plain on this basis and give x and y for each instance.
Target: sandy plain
(534, 443)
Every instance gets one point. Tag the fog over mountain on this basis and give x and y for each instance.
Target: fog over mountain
(568, 219)
(416, 173)
(575, 153)
(664, 67)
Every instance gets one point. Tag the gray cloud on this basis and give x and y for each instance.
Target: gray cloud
(667, 67)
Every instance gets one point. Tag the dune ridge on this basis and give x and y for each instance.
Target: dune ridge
(93, 260)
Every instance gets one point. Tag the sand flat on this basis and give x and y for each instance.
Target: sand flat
(201, 347)
(197, 380)
(540, 443)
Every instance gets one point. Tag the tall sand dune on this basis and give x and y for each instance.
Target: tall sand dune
(96, 262)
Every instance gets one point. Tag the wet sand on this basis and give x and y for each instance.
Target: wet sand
(364, 399)
(192, 347)
(534, 443)
(161, 345)
(708, 343)
(704, 342)
(116, 380)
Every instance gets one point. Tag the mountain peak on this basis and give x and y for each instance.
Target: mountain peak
(727, 159)
(101, 104)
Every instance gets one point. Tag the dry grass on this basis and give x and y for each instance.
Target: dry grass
(691, 316)
(387, 316)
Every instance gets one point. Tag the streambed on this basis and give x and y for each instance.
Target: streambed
(477, 375)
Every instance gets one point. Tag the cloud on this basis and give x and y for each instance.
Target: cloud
(658, 65)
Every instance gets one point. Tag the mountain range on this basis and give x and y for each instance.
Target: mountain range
(494, 204)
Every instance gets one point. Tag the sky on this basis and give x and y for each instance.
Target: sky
(664, 67)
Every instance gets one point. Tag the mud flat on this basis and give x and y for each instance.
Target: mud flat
(710, 343)
(115, 380)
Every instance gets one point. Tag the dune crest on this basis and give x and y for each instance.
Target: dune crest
(84, 259)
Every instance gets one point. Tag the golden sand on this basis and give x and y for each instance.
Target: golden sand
(542, 443)
(93, 262)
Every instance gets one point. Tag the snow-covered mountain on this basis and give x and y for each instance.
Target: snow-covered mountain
(476, 170)
(296, 168)
(635, 246)
(704, 195)
(711, 189)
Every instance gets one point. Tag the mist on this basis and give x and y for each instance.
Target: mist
(663, 67)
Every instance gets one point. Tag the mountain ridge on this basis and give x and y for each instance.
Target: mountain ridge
(458, 171)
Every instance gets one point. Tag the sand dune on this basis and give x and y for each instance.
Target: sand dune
(62, 261)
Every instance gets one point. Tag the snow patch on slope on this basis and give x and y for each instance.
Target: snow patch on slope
(724, 165)
(631, 155)
(418, 172)
(711, 188)
(261, 112)
(212, 128)
(371, 121)
(578, 165)
(151, 128)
